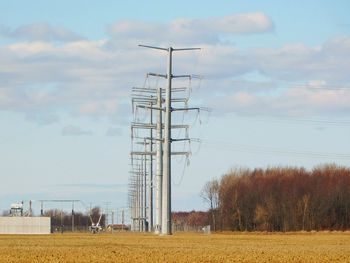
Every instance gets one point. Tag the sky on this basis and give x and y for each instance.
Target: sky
(275, 75)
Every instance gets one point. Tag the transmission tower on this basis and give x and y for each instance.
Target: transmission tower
(153, 100)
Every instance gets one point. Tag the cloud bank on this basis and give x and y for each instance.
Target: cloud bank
(50, 70)
(39, 32)
(191, 31)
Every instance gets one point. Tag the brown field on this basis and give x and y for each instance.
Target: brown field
(127, 247)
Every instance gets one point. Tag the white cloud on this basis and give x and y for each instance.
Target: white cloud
(72, 130)
(41, 32)
(309, 100)
(240, 23)
(93, 78)
(194, 31)
(31, 48)
(103, 107)
(301, 62)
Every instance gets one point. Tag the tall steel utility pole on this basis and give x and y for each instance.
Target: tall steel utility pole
(159, 166)
(166, 193)
(145, 97)
(166, 189)
(150, 199)
(151, 99)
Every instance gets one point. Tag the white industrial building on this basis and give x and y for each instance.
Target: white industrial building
(25, 225)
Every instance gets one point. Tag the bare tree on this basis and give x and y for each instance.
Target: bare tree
(210, 194)
(280, 199)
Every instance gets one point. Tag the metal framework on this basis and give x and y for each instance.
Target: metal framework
(147, 133)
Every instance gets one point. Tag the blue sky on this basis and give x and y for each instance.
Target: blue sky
(275, 76)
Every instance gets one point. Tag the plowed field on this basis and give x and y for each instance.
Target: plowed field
(128, 247)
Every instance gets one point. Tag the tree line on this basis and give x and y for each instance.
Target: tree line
(62, 221)
(280, 199)
(189, 221)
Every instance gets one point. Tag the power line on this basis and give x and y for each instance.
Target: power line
(285, 118)
(277, 84)
(255, 149)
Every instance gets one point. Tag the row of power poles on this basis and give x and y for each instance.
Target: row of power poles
(151, 136)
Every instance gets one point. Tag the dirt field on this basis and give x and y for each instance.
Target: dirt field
(230, 247)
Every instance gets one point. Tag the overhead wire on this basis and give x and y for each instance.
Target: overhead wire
(276, 84)
(224, 145)
(286, 118)
(287, 85)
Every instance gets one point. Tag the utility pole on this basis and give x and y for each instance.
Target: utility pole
(150, 191)
(152, 99)
(61, 222)
(122, 219)
(30, 207)
(113, 221)
(166, 180)
(166, 191)
(144, 97)
(72, 216)
(60, 201)
(159, 167)
(140, 199)
(144, 219)
(106, 213)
